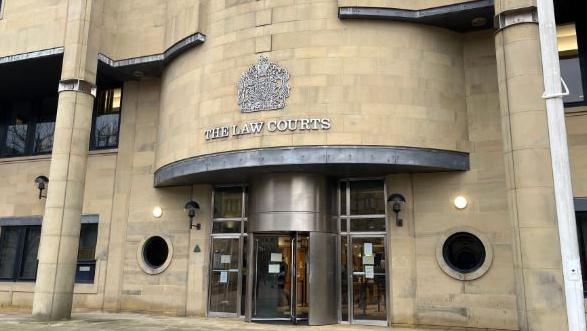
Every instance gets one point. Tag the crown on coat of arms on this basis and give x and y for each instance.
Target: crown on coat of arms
(264, 86)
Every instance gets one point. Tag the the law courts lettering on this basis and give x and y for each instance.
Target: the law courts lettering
(289, 125)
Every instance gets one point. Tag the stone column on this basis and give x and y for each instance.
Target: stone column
(537, 260)
(61, 223)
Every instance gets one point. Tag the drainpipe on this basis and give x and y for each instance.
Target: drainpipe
(561, 172)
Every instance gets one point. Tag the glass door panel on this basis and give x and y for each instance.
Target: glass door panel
(344, 289)
(301, 285)
(368, 279)
(280, 283)
(272, 282)
(224, 277)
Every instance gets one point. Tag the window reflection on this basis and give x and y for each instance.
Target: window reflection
(367, 197)
(228, 202)
(27, 127)
(107, 118)
(16, 136)
(569, 62)
(45, 127)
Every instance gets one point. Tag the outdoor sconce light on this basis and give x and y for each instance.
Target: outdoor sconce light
(41, 182)
(461, 202)
(157, 212)
(191, 209)
(397, 201)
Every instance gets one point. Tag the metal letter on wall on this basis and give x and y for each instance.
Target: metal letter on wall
(265, 86)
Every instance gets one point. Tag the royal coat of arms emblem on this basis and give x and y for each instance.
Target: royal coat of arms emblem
(265, 86)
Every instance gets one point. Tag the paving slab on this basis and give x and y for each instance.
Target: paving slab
(140, 322)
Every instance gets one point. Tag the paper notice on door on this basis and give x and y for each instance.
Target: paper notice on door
(369, 271)
(223, 277)
(368, 249)
(274, 268)
(368, 259)
(224, 258)
(276, 257)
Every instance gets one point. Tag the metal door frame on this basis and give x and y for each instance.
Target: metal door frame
(250, 300)
(239, 275)
(351, 319)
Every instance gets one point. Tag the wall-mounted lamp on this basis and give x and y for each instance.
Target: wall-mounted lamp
(461, 202)
(157, 212)
(397, 201)
(41, 182)
(191, 208)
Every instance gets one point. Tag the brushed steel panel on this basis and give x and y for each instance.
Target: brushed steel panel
(290, 202)
(323, 289)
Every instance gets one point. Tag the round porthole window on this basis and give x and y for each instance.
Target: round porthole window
(464, 254)
(154, 254)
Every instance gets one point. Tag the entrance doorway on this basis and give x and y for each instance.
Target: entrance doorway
(280, 281)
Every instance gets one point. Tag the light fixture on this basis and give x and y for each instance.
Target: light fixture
(397, 201)
(41, 182)
(461, 202)
(157, 212)
(191, 208)
(478, 22)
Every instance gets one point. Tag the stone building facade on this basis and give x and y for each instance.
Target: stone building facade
(348, 161)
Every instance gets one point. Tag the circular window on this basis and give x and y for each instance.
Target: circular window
(154, 254)
(464, 254)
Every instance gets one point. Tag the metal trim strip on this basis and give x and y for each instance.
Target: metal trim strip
(31, 55)
(37, 220)
(409, 158)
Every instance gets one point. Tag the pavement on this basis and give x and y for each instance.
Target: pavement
(139, 322)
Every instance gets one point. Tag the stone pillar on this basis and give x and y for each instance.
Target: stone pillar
(61, 223)
(401, 243)
(537, 260)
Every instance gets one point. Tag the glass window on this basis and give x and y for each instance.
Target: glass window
(17, 130)
(229, 263)
(228, 202)
(86, 254)
(367, 197)
(18, 252)
(569, 62)
(368, 224)
(19, 246)
(343, 198)
(28, 268)
(226, 227)
(107, 109)
(87, 242)
(464, 252)
(365, 200)
(582, 235)
(45, 127)
(9, 237)
(27, 127)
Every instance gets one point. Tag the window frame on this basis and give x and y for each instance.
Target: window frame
(346, 214)
(581, 207)
(93, 146)
(18, 259)
(242, 219)
(35, 221)
(581, 32)
(33, 115)
(87, 262)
